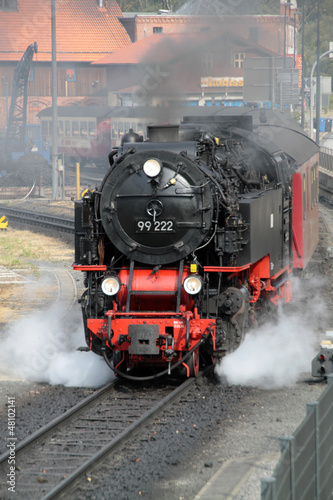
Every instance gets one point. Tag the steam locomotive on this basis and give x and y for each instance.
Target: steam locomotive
(192, 236)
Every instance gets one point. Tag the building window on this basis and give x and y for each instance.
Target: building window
(8, 4)
(157, 29)
(253, 35)
(239, 59)
(207, 61)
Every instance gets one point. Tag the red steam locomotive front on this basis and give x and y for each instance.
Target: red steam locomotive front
(191, 236)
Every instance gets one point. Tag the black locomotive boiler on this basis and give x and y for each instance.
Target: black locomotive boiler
(192, 235)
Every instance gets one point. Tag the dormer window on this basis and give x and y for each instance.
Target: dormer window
(253, 34)
(8, 4)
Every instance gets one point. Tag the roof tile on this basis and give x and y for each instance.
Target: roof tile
(84, 31)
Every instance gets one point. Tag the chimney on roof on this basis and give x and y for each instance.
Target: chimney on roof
(100, 3)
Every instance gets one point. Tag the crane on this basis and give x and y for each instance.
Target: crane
(21, 139)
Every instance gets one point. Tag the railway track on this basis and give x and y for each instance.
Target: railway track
(50, 461)
(39, 220)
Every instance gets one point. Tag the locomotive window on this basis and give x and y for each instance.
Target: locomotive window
(67, 128)
(60, 127)
(83, 129)
(92, 129)
(44, 127)
(75, 128)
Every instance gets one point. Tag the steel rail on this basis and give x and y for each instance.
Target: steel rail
(45, 435)
(115, 443)
(58, 421)
(37, 219)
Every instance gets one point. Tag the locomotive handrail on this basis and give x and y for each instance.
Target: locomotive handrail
(222, 269)
(146, 313)
(77, 267)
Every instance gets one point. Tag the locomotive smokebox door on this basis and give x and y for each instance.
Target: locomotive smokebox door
(143, 339)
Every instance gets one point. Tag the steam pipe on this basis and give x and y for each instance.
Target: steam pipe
(247, 182)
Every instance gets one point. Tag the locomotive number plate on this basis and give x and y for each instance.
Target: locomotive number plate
(155, 226)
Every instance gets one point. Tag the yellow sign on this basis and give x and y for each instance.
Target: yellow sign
(3, 222)
(221, 81)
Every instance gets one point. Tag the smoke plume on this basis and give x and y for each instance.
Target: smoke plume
(280, 351)
(42, 347)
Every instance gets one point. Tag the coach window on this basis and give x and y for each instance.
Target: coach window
(92, 129)
(83, 129)
(60, 128)
(120, 129)
(67, 128)
(75, 128)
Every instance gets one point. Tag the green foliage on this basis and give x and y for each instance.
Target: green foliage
(245, 6)
(330, 102)
(149, 5)
(310, 33)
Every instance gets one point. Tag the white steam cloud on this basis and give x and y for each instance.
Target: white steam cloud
(40, 348)
(276, 354)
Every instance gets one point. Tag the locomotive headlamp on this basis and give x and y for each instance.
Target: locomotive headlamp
(111, 285)
(152, 167)
(192, 284)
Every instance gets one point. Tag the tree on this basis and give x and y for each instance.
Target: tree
(310, 33)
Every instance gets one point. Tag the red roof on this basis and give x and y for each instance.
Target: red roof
(84, 31)
(155, 48)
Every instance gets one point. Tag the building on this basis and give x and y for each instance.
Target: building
(196, 56)
(85, 31)
(180, 68)
(104, 57)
